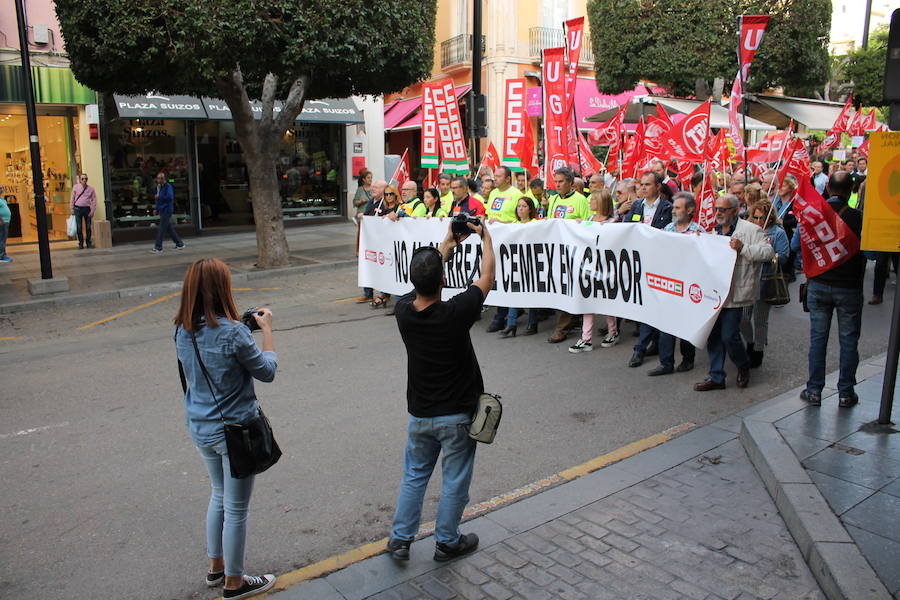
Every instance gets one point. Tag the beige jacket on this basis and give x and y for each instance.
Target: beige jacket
(745, 279)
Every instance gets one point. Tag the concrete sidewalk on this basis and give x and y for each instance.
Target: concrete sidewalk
(691, 518)
(131, 269)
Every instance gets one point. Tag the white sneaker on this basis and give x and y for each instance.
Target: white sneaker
(610, 340)
(156, 251)
(581, 346)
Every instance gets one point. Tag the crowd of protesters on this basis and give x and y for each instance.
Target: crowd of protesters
(754, 209)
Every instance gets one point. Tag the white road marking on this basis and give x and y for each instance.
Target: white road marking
(33, 430)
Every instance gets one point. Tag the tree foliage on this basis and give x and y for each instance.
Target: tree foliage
(865, 69)
(677, 42)
(243, 49)
(343, 47)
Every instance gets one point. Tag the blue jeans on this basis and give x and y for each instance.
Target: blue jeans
(165, 226)
(513, 315)
(501, 316)
(647, 335)
(667, 350)
(427, 438)
(726, 337)
(226, 517)
(4, 233)
(83, 213)
(823, 300)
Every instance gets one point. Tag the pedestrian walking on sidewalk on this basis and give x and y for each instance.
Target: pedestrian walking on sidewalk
(83, 203)
(209, 318)
(165, 206)
(5, 216)
(443, 386)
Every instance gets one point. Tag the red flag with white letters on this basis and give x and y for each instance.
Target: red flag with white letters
(574, 37)
(606, 133)
(590, 164)
(796, 161)
(633, 150)
(825, 239)
(752, 29)
(556, 119)
(490, 160)
(705, 216)
(515, 123)
(653, 133)
(401, 173)
(717, 151)
(734, 106)
(833, 137)
(687, 140)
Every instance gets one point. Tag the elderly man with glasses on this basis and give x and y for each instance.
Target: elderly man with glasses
(83, 203)
(753, 249)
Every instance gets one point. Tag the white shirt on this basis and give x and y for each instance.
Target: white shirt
(650, 210)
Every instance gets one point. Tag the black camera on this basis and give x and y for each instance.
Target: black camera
(459, 224)
(249, 320)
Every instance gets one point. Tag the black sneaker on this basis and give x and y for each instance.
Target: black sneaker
(847, 400)
(252, 586)
(214, 579)
(811, 398)
(466, 543)
(399, 549)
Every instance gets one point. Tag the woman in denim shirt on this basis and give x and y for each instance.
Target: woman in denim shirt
(232, 360)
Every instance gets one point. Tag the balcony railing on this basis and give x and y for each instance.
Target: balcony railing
(540, 38)
(458, 51)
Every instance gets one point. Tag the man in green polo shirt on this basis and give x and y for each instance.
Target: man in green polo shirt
(567, 204)
(504, 198)
(444, 189)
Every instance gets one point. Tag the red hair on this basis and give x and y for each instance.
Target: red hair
(206, 293)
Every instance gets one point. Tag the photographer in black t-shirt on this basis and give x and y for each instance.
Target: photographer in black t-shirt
(443, 386)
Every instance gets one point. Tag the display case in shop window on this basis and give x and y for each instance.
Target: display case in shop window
(19, 184)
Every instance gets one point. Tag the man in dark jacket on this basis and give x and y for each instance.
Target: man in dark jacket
(654, 210)
(165, 206)
(838, 289)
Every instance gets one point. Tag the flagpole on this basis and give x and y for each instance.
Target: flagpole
(743, 96)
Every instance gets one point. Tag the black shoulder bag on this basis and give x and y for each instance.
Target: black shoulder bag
(252, 448)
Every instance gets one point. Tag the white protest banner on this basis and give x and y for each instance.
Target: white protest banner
(673, 282)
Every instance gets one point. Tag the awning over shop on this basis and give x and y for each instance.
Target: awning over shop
(157, 106)
(400, 111)
(397, 113)
(646, 106)
(587, 100)
(52, 85)
(814, 114)
(718, 115)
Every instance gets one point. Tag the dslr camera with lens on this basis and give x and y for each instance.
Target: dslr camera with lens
(459, 224)
(249, 320)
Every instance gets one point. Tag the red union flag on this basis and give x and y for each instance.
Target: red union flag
(656, 128)
(863, 123)
(555, 115)
(685, 174)
(527, 153)
(401, 173)
(687, 140)
(574, 30)
(633, 148)
(515, 122)
(706, 203)
(752, 29)
(449, 128)
(825, 240)
(833, 137)
(431, 154)
(589, 163)
(772, 146)
(734, 106)
(607, 133)
(490, 160)
(797, 163)
(717, 151)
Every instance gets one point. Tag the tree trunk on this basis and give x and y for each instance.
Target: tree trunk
(271, 243)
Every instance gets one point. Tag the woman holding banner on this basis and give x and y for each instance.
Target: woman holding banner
(601, 212)
(526, 212)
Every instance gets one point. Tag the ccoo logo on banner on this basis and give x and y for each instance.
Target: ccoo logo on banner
(673, 282)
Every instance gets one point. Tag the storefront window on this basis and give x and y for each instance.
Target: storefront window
(138, 150)
(59, 161)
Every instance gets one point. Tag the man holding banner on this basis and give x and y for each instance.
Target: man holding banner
(835, 269)
(753, 249)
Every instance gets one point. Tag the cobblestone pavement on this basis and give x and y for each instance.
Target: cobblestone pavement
(704, 529)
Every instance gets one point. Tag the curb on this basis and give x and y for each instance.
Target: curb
(833, 557)
(66, 299)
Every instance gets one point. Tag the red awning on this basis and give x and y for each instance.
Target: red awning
(396, 114)
(399, 112)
